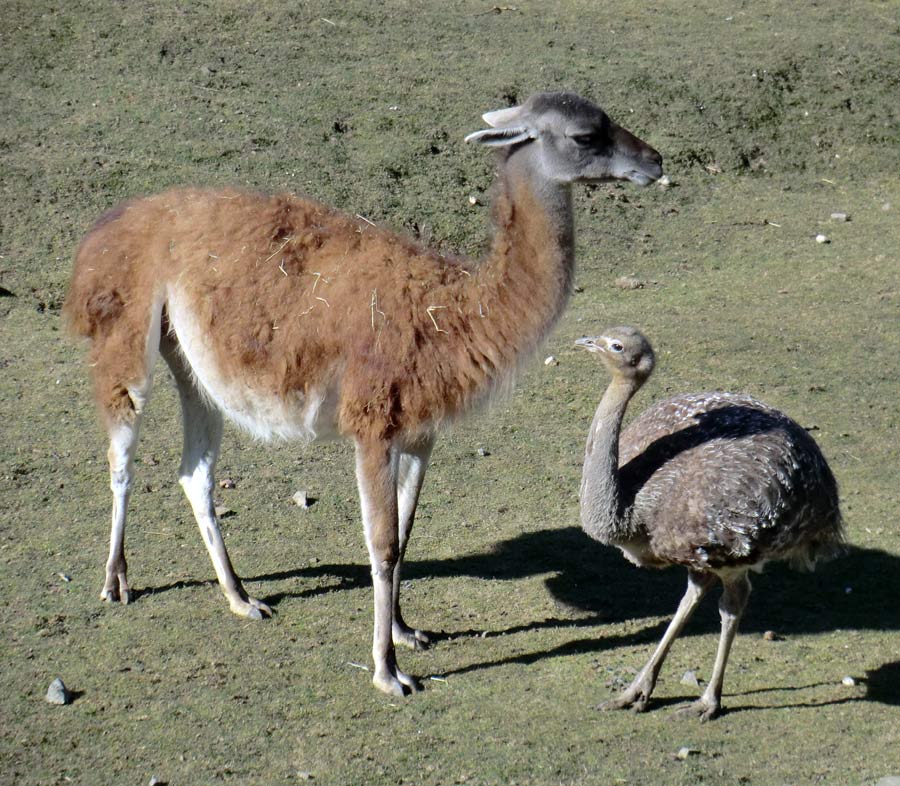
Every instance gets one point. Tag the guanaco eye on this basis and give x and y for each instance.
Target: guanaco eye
(584, 140)
(615, 346)
(594, 136)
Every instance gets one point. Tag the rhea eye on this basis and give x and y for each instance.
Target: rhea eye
(615, 346)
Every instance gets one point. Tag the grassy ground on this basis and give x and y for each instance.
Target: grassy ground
(769, 119)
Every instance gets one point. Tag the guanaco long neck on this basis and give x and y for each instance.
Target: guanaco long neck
(523, 285)
(473, 326)
(602, 513)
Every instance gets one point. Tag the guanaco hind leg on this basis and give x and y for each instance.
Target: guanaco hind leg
(123, 439)
(202, 439)
(122, 405)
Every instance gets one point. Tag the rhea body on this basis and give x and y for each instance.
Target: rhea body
(718, 483)
(295, 320)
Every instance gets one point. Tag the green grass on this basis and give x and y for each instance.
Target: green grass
(769, 119)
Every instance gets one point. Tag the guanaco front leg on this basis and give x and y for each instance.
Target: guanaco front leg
(413, 462)
(376, 475)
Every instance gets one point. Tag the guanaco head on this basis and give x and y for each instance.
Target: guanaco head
(572, 139)
(625, 351)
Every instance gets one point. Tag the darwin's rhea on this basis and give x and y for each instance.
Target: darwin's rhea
(295, 320)
(717, 482)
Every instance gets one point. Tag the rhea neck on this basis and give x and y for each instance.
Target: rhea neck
(603, 515)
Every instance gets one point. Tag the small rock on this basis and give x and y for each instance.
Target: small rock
(683, 753)
(483, 452)
(64, 577)
(628, 282)
(578, 288)
(848, 590)
(223, 512)
(839, 216)
(154, 781)
(822, 239)
(227, 483)
(304, 776)
(664, 182)
(301, 500)
(473, 200)
(58, 693)
(551, 360)
(689, 678)
(848, 681)
(771, 635)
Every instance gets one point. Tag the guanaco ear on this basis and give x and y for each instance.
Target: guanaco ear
(501, 137)
(503, 117)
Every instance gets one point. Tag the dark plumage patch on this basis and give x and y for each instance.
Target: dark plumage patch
(719, 479)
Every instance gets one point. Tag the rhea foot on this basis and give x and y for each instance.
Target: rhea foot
(636, 697)
(395, 682)
(116, 588)
(627, 701)
(704, 708)
(409, 637)
(248, 607)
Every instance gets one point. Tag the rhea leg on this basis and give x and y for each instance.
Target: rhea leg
(731, 608)
(376, 475)
(202, 438)
(637, 695)
(413, 461)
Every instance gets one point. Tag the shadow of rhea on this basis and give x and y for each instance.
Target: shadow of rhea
(853, 592)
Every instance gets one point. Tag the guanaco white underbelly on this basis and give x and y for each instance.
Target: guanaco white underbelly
(264, 414)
